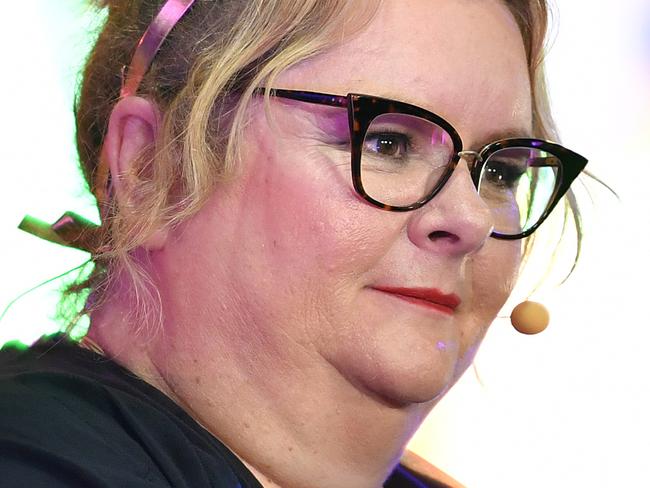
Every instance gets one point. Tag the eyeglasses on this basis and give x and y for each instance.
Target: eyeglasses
(402, 156)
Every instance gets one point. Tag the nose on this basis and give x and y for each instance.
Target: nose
(456, 221)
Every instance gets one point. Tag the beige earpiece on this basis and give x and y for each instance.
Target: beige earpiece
(529, 317)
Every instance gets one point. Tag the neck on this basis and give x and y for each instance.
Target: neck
(293, 424)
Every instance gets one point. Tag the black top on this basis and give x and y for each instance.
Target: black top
(72, 418)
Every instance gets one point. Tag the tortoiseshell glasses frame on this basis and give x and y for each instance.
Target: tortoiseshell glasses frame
(363, 109)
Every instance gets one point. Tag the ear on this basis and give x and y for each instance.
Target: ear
(132, 131)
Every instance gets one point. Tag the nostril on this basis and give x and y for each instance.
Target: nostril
(443, 235)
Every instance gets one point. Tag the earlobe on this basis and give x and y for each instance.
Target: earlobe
(157, 240)
(130, 139)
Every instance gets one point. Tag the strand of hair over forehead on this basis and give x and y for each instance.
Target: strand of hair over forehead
(272, 23)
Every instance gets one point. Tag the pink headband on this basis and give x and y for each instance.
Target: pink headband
(72, 230)
(150, 42)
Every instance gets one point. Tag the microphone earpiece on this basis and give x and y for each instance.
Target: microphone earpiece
(529, 317)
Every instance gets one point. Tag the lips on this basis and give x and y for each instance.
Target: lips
(426, 297)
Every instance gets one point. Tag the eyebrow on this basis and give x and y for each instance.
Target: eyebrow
(499, 135)
(495, 135)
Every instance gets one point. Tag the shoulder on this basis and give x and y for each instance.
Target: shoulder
(71, 418)
(59, 428)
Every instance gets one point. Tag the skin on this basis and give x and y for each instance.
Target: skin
(274, 339)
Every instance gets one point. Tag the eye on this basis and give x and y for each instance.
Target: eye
(391, 144)
(504, 173)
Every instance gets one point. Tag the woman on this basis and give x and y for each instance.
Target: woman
(288, 276)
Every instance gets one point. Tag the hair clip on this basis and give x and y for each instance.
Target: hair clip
(69, 230)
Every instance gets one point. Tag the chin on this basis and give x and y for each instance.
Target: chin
(403, 391)
(420, 376)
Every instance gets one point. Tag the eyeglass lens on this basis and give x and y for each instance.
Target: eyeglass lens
(404, 157)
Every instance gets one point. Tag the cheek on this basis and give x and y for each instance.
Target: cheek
(493, 273)
(314, 239)
(301, 199)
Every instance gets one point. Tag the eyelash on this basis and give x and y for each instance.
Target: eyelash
(405, 139)
(345, 143)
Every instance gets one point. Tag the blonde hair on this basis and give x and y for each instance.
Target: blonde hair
(203, 80)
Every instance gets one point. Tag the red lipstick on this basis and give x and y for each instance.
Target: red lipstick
(427, 297)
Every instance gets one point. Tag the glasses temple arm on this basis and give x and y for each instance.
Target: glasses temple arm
(305, 96)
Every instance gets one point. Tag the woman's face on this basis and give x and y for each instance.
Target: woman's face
(280, 271)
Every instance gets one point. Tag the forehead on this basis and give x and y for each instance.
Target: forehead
(462, 59)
